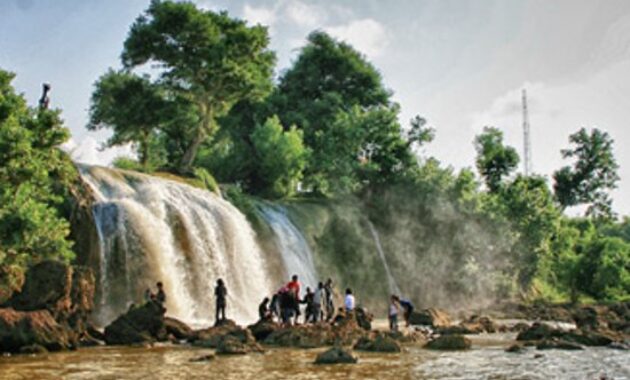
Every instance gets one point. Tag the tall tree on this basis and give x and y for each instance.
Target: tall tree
(495, 160)
(212, 59)
(592, 175)
(132, 106)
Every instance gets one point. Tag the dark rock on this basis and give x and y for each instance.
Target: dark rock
(33, 349)
(555, 343)
(381, 343)
(345, 332)
(230, 345)
(142, 324)
(539, 331)
(335, 355)
(179, 329)
(515, 348)
(95, 333)
(89, 341)
(430, 317)
(619, 346)
(200, 359)
(519, 327)
(213, 336)
(449, 342)
(263, 328)
(364, 319)
(38, 327)
(480, 324)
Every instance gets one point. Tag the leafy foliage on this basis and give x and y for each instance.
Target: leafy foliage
(495, 161)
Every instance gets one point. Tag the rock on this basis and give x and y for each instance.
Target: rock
(539, 331)
(33, 349)
(200, 359)
(431, 317)
(335, 355)
(230, 345)
(449, 342)
(382, 343)
(364, 319)
(225, 337)
(95, 333)
(263, 328)
(519, 327)
(619, 346)
(89, 341)
(344, 332)
(480, 324)
(179, 329)
(140, 325)
(27, 328)
(555, 343)
(515, 348)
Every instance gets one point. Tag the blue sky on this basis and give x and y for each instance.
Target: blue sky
(459, 63)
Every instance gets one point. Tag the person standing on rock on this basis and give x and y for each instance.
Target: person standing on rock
(308, 300)
(160, 297)
(317, 302)
(294, 288)
(407, 310)
(328, 293)
(220, 293)
(393, 313)
(349, 300)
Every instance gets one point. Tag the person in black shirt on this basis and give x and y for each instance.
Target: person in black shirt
(220, 293)
(263, 310)
(160, 297)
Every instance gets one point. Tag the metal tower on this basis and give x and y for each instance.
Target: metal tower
(527, 149)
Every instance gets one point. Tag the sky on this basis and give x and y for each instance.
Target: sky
(461, 64)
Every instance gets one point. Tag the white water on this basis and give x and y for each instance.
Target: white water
(153, 229)
(391, 282)
(296, 254)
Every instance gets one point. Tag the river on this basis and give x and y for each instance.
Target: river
(487, 360)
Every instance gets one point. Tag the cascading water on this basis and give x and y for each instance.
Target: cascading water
(393, 286)
(151, 229)
(296, 254)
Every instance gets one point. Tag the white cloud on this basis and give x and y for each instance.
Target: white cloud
(304, 15)
(366, 35)
(88, 151)
(262, 15)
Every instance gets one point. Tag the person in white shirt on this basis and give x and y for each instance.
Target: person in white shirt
(349, 301)
(393, 313)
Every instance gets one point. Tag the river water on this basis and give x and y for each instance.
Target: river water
(487, 360)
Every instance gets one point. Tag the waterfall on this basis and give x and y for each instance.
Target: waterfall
(152, 229)
(391, 282)
(294, 250)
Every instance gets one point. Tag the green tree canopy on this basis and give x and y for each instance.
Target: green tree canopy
(592, 175)
(34, 174)
(495, 160)
(212, 59)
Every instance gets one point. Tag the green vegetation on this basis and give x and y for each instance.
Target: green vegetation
(35, 177)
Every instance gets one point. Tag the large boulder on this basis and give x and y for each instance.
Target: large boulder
(336, 355)
(232, 345)
(380, 343)
(449, 342)
(263, 328)
(213, 336)
(539, 331)
(179, 329)
(558, 344)
(20, 329)
(345, 331)
(141, 324)
(430, 317)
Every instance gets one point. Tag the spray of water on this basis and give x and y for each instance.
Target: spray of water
(391, 281)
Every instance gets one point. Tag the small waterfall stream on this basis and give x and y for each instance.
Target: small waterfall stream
(391, 282)
(296, 254)
(152, 229)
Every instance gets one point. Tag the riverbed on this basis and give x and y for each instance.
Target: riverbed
(487, 360)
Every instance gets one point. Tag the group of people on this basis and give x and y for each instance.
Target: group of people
(284, 305)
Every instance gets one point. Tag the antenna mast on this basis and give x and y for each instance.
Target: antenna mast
(527, 149)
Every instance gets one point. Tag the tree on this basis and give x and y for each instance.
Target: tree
(132, 106)
(210, 58)
(494, 160)
(593, 173)
(34, 175)
(280, 158)
(350, 124)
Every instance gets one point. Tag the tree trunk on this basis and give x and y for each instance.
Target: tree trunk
(144, 151)
(205, 127)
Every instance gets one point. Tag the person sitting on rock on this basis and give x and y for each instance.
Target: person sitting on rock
(308, 300)
(220, 293)
(263, 310)
(393, 313)
(407, 310)
(160, 296)
(349, 300)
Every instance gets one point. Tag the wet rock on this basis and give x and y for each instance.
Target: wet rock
(345, 332)
(336, 355)
(213, 336)
(406, 337)
(27, 328)
(519, 327)
(178, 329)
(515, 348)
(140, 325)
(89, 341)
(381, 343)
(202, 359)
(230, 345)
(364, 318)
(449, 342)
(619, 346)
(263, 328)
(431, 317)
(481, 324)
(95, 333)
(33, 349)
(539, 331)
(556, 343)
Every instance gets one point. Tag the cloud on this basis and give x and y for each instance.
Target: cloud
(261, 15)
(366, 35)
(87, 151)
(304, 15)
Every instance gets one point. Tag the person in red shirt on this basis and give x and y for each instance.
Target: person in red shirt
(294, 288)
